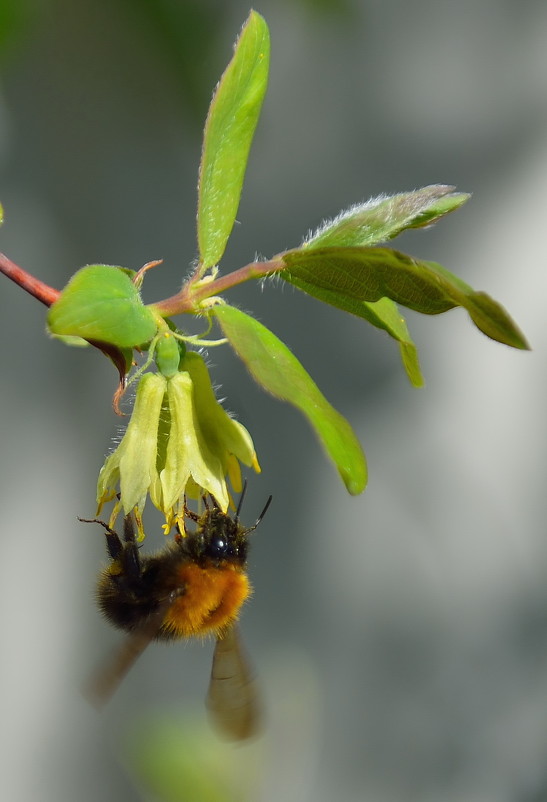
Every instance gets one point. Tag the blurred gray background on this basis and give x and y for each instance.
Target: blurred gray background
(400, 637)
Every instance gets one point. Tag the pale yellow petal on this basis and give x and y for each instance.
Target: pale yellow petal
(223, 434)
(188, 453)
(138, 448)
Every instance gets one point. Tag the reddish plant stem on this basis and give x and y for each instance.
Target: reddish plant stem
(42, 292)
(188, 299)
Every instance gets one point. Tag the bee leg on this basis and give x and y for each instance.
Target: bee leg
(128, 554)
(129, 529)
(113, 542)
(206, 503)
(191, 514)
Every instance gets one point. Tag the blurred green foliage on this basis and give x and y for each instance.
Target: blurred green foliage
(187, 763)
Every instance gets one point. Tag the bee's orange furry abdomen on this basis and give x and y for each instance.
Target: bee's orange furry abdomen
(211, 600)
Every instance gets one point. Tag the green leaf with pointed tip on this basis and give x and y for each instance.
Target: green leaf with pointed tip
(278, 371)
(1, 214)
(382, 218)
(229, 131)
(368, 274)
(383, 314)
(386, 315)
(101, 303)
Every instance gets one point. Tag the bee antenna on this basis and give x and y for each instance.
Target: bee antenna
(264, 511)
(240, 502)
(260, 517)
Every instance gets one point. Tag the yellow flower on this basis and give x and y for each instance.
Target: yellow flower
(179, 442)
(226, 436)
(132, 465)
(188, 453)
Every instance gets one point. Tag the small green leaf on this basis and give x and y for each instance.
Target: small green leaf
(279, 372)
(382, 218)
(229, 131)
(101, 303)
(368, 274)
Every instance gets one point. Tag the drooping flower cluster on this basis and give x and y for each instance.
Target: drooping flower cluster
(179, 443)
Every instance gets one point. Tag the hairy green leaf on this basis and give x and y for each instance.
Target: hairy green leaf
(229, 131)
(368, 274)
(278, 371)
(102, 304)
(382, 218)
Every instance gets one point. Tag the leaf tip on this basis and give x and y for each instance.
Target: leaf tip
(355, 486)
(355, 476)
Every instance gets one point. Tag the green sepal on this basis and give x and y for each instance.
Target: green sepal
(229, 129)
(101, 303)
(382, 218)
(357, 275)
(278, 371)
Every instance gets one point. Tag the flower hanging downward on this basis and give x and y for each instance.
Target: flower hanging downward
(179, 442)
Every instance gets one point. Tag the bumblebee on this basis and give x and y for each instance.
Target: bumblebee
(195, 586)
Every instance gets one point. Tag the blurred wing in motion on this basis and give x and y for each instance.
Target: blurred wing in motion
(106, 679)
(232, 698)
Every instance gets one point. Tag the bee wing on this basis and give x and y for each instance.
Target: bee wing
(232, 698)
(104, 682)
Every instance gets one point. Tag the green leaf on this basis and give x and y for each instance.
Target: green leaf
(368, 274)
(383, 314)
(101, 303)
(229, 131)
(382, 218)
(279, 372)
